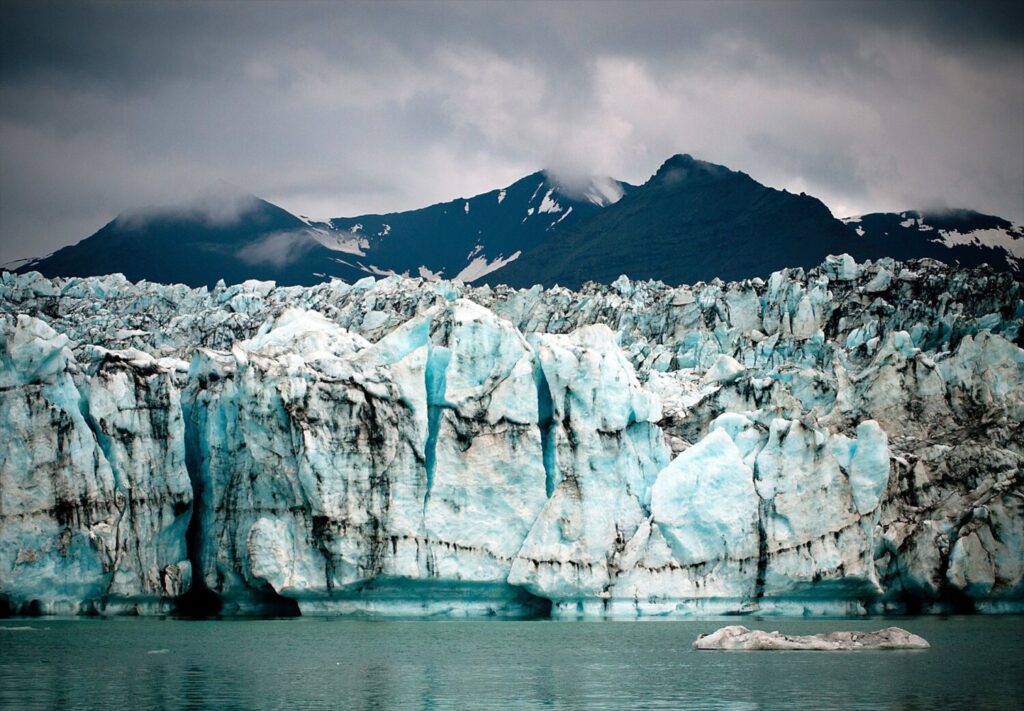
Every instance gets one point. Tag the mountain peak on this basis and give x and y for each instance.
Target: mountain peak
(683, 167)
(692, 221)
(679, 159)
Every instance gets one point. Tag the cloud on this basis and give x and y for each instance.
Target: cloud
(217, 205)
(278, 249)
(346, 108)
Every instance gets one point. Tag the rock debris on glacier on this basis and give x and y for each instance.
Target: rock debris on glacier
(841, 440)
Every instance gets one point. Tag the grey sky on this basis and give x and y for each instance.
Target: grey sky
(340, 109)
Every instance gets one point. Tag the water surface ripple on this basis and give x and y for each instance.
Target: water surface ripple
(974, 662)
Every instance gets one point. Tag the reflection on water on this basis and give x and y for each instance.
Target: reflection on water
(974, 662)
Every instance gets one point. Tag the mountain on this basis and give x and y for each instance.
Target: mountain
(692, 221)
(962, 237)
(467, 238)
(238, 237)
(235, 237)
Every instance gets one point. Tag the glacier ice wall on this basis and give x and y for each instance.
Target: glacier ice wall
(94, 495)
(845, 440)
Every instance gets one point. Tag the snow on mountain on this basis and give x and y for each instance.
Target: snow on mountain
(480, 266)
(954, 236)
(549, 205)
(469, 238)
(349, 241)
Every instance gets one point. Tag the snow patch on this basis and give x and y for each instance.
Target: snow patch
(995, 238)
(377, 271)
(480, 266)
(348, 242)
(564, 215)
(853, 220)
(549, 204)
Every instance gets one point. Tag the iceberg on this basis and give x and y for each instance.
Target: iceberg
(836, 441)
(738, 637)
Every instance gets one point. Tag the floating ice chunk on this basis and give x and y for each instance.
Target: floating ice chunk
(738, 637)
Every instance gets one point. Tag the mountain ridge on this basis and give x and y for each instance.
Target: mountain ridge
(693, 220)
(672, 226)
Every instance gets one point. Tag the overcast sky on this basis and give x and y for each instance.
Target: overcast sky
(341, 109)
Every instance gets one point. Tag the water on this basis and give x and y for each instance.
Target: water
(974, 662)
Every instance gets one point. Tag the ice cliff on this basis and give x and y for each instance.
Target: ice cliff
(846, 439)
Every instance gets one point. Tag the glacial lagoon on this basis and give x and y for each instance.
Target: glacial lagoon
(974, 662)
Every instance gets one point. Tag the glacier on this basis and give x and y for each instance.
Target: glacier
(841, 440)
